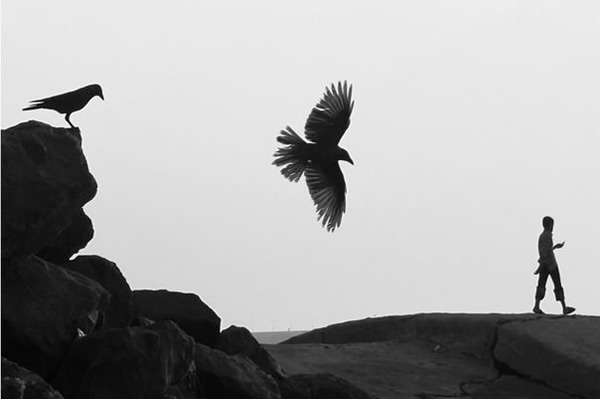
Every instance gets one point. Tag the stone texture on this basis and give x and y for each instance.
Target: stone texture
(72, 239)
(510, 387)
(43, 306)
(563, 352)
(120, 311)
(224, 376)
(187, 310)
(430, 356)
(239, 341)
(130, 363)
(20, 383)
(463, 333)
(45, 181)
(321, 386)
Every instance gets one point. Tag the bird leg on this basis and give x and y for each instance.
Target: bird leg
(68, 120)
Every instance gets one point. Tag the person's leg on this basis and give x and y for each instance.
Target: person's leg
(559, 292)
(540, 291)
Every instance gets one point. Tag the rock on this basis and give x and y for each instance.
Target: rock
(239, 341)
(20, 383)
(562, 352)
(509, 387)
(72, 239)
(43, 307)
(45, 182)
(130, 363)
(187, 310)
(429, 356)
(224, 376)
(120, 311)
(320, 386)
(462, 333)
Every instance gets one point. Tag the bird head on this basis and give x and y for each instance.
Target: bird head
(96, 90)
(344, 156)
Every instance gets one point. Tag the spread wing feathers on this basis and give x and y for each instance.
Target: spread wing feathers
(330, 118)
(293, 155)
(328, 191)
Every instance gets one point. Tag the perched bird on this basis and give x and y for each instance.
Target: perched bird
(318, 158)
(67, 103)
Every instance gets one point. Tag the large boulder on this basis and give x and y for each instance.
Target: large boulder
(44, 309)
(223, 376)
(187, 310)
(73, 238)
(20, 383)
(130, 363)
(45, 182)
(239, 341)
(564, 353)
(120, 311)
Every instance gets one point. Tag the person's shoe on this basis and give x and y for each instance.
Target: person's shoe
(539, 311)
(568, 310)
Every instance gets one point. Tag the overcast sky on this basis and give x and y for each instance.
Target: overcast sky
(472, 121)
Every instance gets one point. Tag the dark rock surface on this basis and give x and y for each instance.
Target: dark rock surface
(446, 355)
(20, 383)
(120, 311)
(43, 306)
(239, 341)
(72, 239)
(224, 376)
(187, 310)
(564, 352)
(45, 182)
(138, 362)
(321, 386)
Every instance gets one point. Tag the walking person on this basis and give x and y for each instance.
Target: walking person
(549, 267)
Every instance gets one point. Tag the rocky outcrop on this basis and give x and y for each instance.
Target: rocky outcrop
(45, 182)
(224, 376)
(187, 310)
(239, 341)
(72, 239)
(456, 355)
(137, 362)
(321, 386)
(120, 311)
(20, 383)
(564, 353)
(44, 308)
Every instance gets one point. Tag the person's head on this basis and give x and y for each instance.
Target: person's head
(548, 223)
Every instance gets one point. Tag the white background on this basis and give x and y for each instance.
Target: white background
(473, 120)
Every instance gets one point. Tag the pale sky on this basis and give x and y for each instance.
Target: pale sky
(472, 121)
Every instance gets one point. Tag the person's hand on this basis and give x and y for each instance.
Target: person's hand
(559, 245)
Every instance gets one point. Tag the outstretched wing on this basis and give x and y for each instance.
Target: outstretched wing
(327, 188)
(330, 118)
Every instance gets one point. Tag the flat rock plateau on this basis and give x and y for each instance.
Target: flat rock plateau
(455, 355)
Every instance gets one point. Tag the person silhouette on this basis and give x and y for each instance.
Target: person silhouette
(549, 267)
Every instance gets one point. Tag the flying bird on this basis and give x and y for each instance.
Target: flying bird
(318, 158)
(67, 103)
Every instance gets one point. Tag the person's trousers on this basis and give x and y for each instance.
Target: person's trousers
(540, 292)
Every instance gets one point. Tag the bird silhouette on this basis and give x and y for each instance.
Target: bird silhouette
(318, 158)
(67, 103)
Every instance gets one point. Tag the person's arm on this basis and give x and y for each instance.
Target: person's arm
(559, 245)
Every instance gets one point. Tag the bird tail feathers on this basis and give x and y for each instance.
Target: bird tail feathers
(292, 155)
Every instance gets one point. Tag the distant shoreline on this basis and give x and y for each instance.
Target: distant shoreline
(275, 337)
